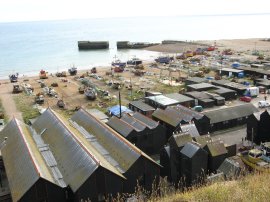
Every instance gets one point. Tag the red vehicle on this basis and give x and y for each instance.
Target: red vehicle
(211, 48)
(245, 99)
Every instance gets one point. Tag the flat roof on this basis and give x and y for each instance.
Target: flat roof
(142, 105)
(257, 70)
(179, 97)
(163, 100)
(201, 85)
(196, 79)
(198, 95)
(232, 70)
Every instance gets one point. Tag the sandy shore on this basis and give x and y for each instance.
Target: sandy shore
(234, 44)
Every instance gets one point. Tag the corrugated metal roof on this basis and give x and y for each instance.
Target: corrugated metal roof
(230, 113)
(119, 148)
(120, 126)
(231, 70)
(216, 148)
(23, 162)
(147, 121)
(190, 128)
(76, 165)
(142, 106)
(190, 149)
(134, 122)
(163, 100)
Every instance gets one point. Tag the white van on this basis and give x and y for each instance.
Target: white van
(263, 103)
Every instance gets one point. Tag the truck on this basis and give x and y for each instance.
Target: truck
(252, 91)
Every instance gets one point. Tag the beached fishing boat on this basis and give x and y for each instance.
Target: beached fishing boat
(13, 77)
(72, 71)
(118, 63)
(258, 159)
(90, 93)
(134, 61)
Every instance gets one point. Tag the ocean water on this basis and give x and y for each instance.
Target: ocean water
(27, 47)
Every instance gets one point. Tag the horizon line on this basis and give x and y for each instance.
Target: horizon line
(117, 17)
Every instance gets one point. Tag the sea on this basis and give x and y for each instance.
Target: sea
(28, 47)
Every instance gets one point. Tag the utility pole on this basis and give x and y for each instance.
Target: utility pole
(120, 105)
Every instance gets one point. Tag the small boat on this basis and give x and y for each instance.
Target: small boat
(134, 61)
(118, 63)
(72, 71)
(16, 88)
(60, 104)
(13, 77)
(258, 159)
(43, 74)
(164, 60)
(90, 93)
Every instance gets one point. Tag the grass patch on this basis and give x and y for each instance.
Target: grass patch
(253, 187)
(166, 89)
(25, 105)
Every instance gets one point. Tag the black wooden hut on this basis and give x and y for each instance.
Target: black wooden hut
(142, 107)
(182, 99)
(85, 165)
(32, 172)
(195, 80)
(193, 164)
(172, 117)
(134, 164)
(227, 93)
(258, 127)
(131, 133)
(217, 153)
(230, 116)
(176, 143)
(165, 171)
(156, 133)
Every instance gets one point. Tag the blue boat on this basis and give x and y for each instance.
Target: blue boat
(163, 60)
(118, 63)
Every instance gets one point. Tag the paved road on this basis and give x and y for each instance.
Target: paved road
(8, 103)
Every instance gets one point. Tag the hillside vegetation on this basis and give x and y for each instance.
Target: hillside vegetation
(253, 187)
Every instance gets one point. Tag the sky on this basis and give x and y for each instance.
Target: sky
(35, 10)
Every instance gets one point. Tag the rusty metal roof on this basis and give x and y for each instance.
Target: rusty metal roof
(78, 161)
(121, 150)
(23, 162)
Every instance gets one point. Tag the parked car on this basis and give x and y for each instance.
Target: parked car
(263, 104)
(245, 99)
